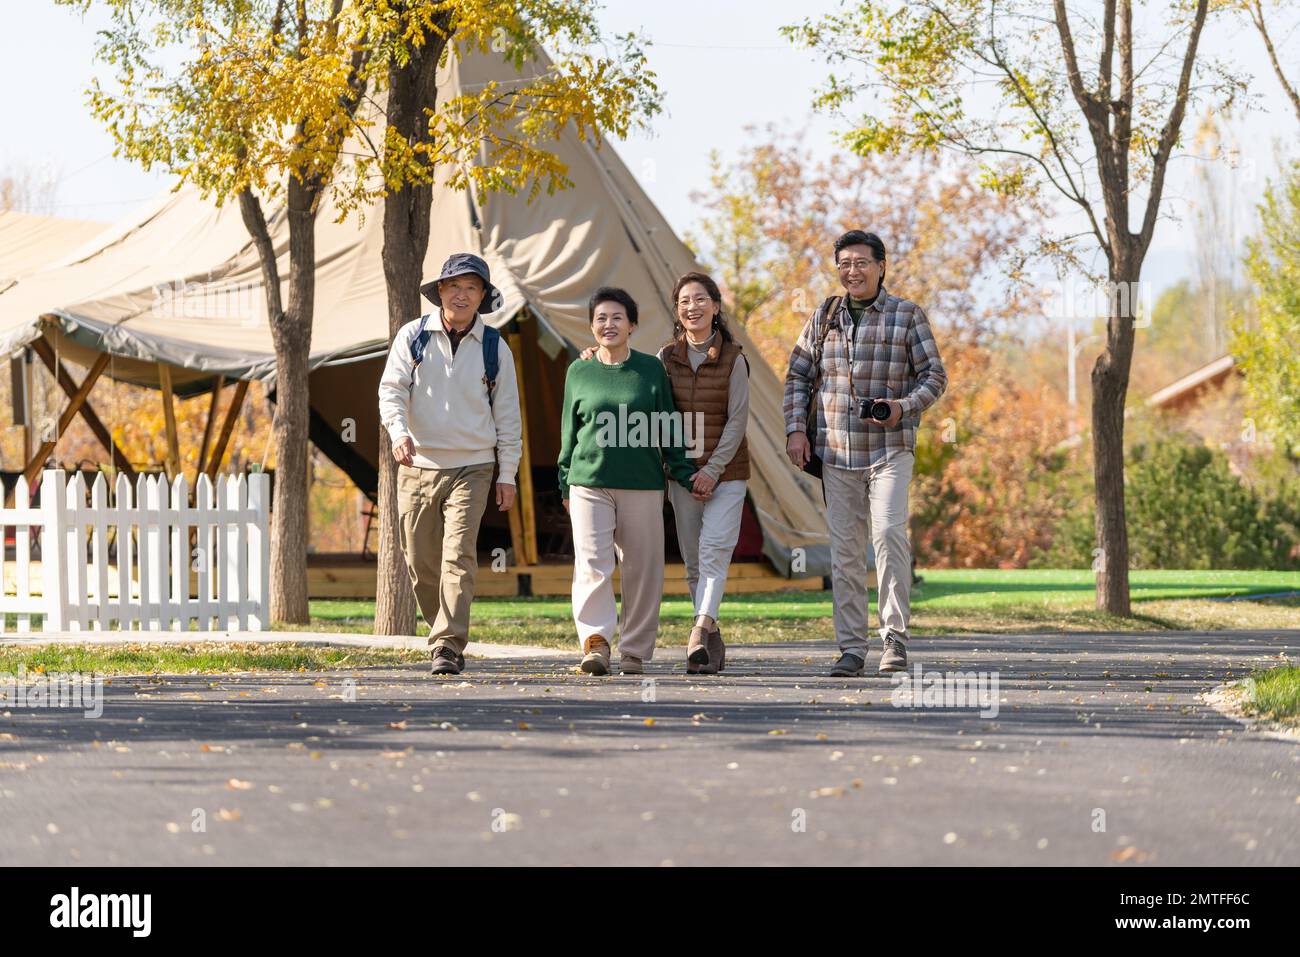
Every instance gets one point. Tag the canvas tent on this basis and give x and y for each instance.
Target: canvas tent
(31, 242)
(177, 291)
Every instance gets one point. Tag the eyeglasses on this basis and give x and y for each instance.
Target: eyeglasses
(697, 301)
(849, 265)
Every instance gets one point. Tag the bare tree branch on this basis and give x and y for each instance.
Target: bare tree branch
(1256, 12)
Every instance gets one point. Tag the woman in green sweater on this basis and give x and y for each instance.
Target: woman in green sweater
(619, 429)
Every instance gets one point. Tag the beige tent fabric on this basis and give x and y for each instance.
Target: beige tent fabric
(29, 243)
(181, 284)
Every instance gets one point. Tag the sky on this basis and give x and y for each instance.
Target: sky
(722, 66)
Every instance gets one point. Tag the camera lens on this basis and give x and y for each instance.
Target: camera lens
(880, 410)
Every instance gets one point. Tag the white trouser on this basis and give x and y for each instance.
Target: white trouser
(870, 504)
(706, 535)
(627, 525)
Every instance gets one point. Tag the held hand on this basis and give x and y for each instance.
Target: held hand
(505, 496)
(895, 415)
(587, 353)
(404, 451)
(566, 505)
(703, 484)
(796, 447)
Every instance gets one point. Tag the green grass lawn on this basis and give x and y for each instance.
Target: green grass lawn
(946, 602)
(200, 658)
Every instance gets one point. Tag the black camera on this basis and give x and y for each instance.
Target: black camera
(878, 409)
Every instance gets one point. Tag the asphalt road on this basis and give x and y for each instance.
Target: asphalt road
(1101, 753)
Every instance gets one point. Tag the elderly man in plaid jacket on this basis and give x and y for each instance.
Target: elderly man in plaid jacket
(866, 365)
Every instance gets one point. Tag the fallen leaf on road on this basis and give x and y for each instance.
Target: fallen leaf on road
(1130, 853)
(238, 785)
(827, 792)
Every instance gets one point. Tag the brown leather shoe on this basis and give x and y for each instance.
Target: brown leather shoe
(596, 659)
(717, 654)
(697, 650)
(717, 650)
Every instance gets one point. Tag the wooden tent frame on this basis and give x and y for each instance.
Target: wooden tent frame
(79, 404)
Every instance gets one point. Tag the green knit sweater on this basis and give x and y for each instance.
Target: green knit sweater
(610, 435)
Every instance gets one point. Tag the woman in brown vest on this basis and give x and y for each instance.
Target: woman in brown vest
(710, 380)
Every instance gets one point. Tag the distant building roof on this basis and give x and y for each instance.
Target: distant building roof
(1189, 387)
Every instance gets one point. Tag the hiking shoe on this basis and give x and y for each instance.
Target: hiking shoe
(697, 650)
(849, 666)
(894, 658)
(446, 661)
(596, 660)
(631, 665)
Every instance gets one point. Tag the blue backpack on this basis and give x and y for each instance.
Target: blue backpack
(491, 352)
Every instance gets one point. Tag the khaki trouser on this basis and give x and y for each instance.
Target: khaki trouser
(870, 503)
(627, 525)
(440, 514)
(706, 535)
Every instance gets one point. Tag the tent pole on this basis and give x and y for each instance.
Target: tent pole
(517, 535)
(169, 420)
(525, 496)
(117, 458)
(227, 427)
(217, 385)
(74, 406)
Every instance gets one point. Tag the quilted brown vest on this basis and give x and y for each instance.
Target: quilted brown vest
(705, 390)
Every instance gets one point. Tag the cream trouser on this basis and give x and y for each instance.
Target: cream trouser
(870, 503)
(706, 535)
(627, 525)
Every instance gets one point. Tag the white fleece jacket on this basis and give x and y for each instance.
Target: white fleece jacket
(443, 405)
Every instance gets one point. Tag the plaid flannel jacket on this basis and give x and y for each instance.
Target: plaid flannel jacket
(893, 356)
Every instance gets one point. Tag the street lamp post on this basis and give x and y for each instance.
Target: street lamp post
(1074, 348)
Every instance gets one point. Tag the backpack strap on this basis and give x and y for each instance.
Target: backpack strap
(419, 341)
(491, 358)
(829, 308)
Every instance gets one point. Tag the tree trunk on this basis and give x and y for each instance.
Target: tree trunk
(291, 334)
(1109, 390)
(412, 89)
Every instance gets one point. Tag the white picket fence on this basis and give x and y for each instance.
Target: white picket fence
(176, 563)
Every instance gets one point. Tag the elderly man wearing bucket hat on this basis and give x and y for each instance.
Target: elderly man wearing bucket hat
(449, 401)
